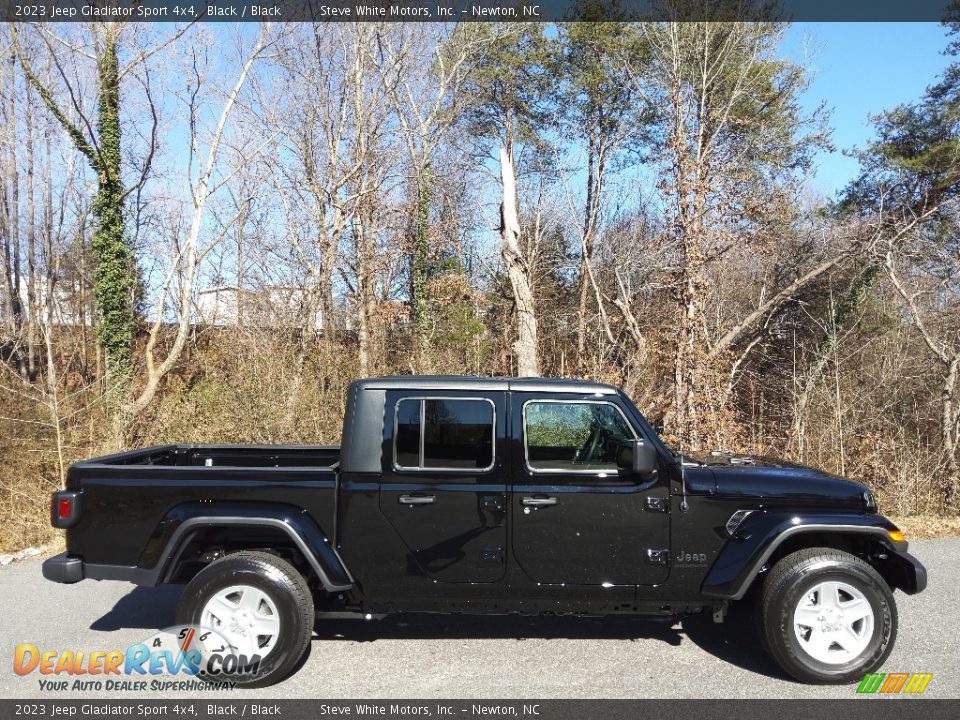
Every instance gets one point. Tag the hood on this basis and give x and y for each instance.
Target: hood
(769, 480)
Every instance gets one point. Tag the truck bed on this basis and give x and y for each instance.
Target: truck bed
(299, 456)
(129, 499)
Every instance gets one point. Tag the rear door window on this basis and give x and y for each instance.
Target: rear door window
(444, 434)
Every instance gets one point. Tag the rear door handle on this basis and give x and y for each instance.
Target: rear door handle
(418, 499)
(539, 501)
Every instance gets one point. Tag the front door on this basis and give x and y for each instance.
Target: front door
(580, 515)
(444, 486)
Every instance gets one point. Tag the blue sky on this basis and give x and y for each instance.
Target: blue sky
(860, 69)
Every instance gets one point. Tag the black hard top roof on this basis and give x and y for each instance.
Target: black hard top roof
(470, 382)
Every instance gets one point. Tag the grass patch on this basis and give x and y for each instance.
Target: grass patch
(927, 527)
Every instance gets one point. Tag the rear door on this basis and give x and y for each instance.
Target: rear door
(580, 515)
(444, 482)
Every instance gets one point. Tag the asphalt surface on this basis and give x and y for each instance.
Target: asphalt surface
(423, 656)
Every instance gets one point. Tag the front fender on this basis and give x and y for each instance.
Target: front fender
(172, 534)
(762, 533)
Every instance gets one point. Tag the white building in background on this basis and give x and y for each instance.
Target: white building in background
(66, 309)
(217, 306)
(271, 306)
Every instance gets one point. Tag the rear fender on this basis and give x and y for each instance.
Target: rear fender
(173, 534)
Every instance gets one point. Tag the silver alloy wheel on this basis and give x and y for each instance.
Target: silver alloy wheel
(246, 617)
(833, 622)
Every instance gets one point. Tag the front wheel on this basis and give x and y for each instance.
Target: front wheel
(262, 609)
(827, 616)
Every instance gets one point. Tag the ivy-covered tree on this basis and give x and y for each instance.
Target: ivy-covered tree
(424, 96)
(116, 286)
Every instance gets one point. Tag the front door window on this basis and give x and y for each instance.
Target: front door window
(579, 437)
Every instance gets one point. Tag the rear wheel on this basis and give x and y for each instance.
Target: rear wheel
(827, 616)
(260, 605)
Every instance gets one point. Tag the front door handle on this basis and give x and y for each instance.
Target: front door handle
(418, 499)
(539, 501)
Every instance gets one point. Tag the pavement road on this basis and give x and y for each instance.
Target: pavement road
(424, 656)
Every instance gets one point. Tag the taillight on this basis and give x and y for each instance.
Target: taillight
(65, 508)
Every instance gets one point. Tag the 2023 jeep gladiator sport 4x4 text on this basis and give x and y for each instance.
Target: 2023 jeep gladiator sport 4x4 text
(490, 495)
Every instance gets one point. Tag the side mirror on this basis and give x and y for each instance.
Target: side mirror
(644, 458)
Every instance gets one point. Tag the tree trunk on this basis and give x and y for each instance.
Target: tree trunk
(948, 430)
(13, 300)
(186, 263)
(589, 221)
(113, 271)
(692, 175)
(525, 347)
(365, 295)
(114, 265)
(827, 346)
(596, 168)
(33, 317)
(419, 259)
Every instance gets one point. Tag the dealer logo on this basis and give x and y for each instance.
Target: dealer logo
(894, 683)
(187, 652)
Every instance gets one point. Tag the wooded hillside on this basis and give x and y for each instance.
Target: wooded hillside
(209, 231)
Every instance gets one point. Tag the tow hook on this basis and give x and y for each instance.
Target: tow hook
(720, 613)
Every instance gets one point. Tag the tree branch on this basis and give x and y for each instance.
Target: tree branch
(79, 139)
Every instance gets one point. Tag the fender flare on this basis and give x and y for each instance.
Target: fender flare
(168, 541)
(742, 557)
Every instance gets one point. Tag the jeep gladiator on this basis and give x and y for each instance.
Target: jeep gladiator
(490, 495)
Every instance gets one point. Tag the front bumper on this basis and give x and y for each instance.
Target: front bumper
(903, 571)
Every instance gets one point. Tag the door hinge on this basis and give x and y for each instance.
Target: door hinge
(493, 503)
(657, 557)
(656, 504)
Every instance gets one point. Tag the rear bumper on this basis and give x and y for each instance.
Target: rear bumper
(65, 568)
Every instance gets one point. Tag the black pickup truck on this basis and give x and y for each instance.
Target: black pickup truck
(491, 495)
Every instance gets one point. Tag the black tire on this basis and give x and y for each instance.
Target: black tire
(287, 590)
(796, 576)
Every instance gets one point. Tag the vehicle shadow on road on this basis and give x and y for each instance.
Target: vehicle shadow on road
(733, 641)
(151, 608)
(419, 626)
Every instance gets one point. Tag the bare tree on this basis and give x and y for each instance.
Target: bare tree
(425, 105)
(507, 100)
(725, 103)
(939, 331)
(115, 272)
(13, 301)
(191, 252)
(525, 347)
